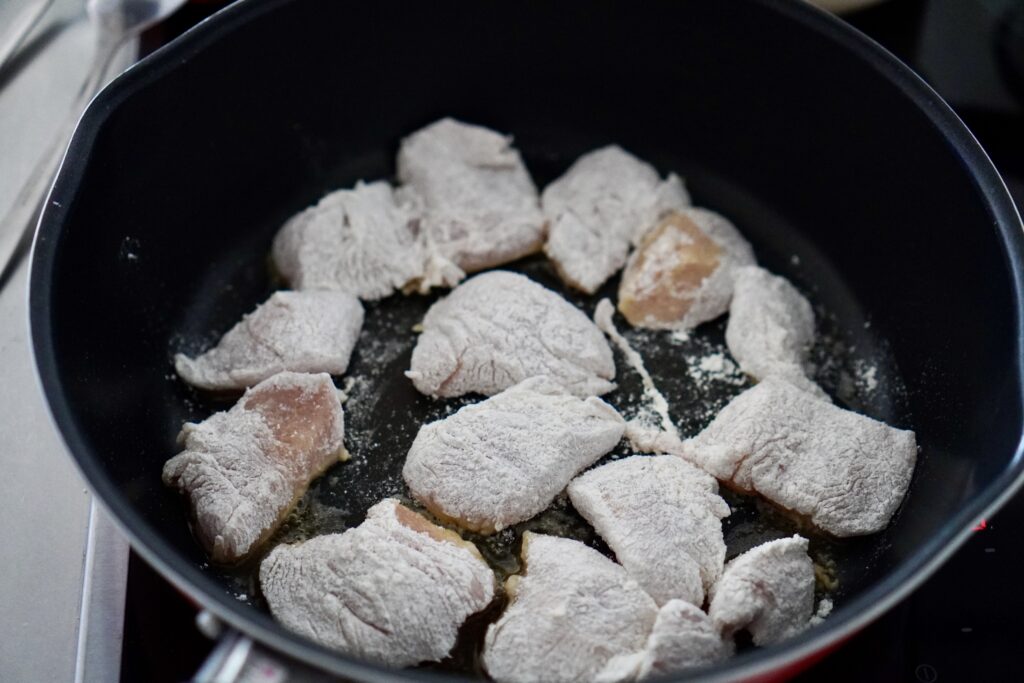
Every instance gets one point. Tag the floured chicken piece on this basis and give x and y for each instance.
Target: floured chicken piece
(358, 241)
(570, 612)
(662, 518)
(394, 590)
(771, 328)
(244, 469)
(768, 591)
(606, 201)
(477, 203)
(310, 331)
(504, 460)
(845, 472)
(681, 273)
(684, 637)
(499, 328)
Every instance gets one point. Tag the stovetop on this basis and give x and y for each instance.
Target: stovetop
(963, 623)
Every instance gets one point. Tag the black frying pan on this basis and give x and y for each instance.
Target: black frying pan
(813, 140)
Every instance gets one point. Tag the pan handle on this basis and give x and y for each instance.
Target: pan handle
(237, 658)
(227, 660)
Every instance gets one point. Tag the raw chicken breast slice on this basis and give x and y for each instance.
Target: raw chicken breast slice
(661, 517)
(571, 611)
(768, 591)
(684, 637)
(606, 201)
(357, 241)
(503, 460)
(845, 472)
(393, 590)
(477, 203)
(681, 273)
(771, 328)
(244, 469)
(499, 328)
(309, 331)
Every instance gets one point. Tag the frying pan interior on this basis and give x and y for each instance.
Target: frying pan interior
(847, 175)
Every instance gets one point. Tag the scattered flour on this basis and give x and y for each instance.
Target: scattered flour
(866, 376)
(824, 609)
(345, 392)
(657, 406)
(647, 438)
(715, 366)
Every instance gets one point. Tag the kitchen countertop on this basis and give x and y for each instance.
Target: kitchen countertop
(52, 537)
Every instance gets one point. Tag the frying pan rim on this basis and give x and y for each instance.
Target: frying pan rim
(187, 577)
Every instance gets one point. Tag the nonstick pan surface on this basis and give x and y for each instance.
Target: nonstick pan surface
(848, 175)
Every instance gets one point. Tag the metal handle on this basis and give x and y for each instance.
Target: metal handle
(227, 661)
(237, 658)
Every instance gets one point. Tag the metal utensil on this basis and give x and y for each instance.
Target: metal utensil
(116, 21)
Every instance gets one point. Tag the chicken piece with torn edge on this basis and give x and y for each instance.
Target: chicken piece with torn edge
(308, 331)
(394, 590)
(767, 591)
(571, 611)
(684, 637)
(681, 273)
(503, 460)
(844, 472)
(604, 203)
(244, 469)
(662, 517)
(358, 241)
(499, 328)
(771, 328)
(477, 204)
